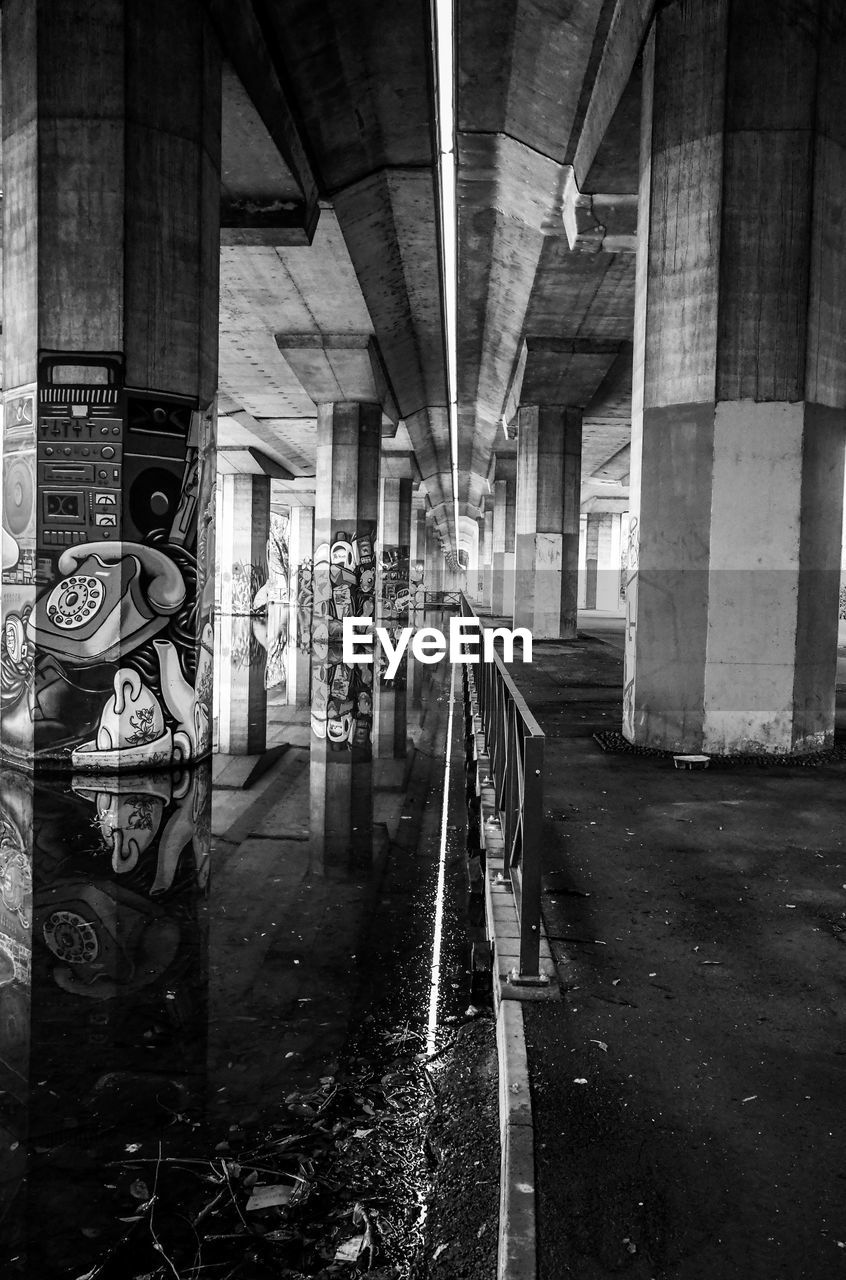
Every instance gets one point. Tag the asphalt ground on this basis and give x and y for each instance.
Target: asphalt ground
(688, 1089)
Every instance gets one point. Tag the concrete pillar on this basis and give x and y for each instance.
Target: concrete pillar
(487, 558)
(300, 553)
(110, 319)
(504, 510)
(242, 697)
(434, 569)
(418, 551)
(547, 520)
(349, 437)
(591, 559)
(390, 714)
(395, 548)
(475, 576)
(739, 401)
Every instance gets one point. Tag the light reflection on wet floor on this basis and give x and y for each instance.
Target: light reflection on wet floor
(194, 953)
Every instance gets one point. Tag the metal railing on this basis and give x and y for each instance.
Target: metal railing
(443, 599)
(514, 742)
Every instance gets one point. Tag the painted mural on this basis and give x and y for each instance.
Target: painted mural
(107, 640)
(343, 584)
(394, 581)
(305, 601)
(272, 600)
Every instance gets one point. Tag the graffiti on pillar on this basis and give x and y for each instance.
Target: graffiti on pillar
(395, 596)
(19, 488)
(416, 585)
(343, 582)
(305, 598)
(107, 662)
(249, 578)
(842, 613)
(270, 598)
(632, 562)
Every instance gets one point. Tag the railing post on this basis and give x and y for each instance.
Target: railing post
(530, 878)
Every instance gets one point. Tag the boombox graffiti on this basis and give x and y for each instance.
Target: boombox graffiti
(106, 657)
(343, 582)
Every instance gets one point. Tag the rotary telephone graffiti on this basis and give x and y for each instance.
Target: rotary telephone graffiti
(343, 583)
(119, 864)
(106, 652)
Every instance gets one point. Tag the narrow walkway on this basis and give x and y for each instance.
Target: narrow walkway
(688, 1090)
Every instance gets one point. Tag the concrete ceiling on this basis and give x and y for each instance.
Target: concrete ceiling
(343, 88)
(548, 106)
(548, 111)
(330, 227)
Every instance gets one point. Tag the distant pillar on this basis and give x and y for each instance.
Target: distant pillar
(504, 511)
(434, 570)
(487, 558)
(739, 401)
(110, 329)
(300, 554)
(343, 585)
(591, 559)
(418, 550)
(242, 696)
(547, 520)
(395, 549)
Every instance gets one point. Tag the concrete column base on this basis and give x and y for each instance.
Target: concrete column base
(545, 585)
(502, 585)
(732, 616)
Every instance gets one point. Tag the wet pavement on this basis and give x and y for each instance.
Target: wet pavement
(688, 1089)
(217, 984)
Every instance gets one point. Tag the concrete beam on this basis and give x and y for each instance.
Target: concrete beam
(337, 367)
(553, 371)
(244, 38)
(259, 195)
(238, 460)
(599, 222)
(623, 43)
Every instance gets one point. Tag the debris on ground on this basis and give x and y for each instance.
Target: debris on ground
(342, 1180)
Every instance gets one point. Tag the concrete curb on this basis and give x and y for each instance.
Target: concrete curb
(517, 1251)
(517, 1248)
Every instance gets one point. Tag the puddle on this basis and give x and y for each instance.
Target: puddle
(214, 1004)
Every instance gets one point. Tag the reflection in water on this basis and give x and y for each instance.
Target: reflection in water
(15, 985)
(147, 1005)
(108, 1022)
